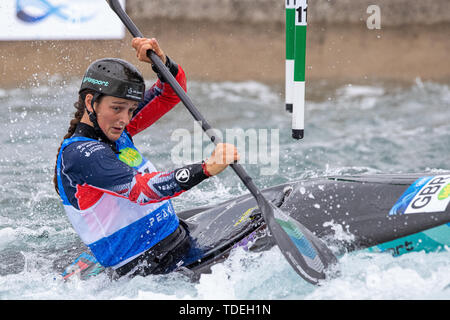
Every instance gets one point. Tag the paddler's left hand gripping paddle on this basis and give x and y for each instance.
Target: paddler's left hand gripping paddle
(306, 253)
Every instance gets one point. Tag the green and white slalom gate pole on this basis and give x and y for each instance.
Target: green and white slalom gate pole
(298, 108)
(290, 45)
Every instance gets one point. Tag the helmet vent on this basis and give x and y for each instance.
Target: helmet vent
(103, 68)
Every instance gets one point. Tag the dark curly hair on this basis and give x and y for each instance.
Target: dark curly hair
(80, 109)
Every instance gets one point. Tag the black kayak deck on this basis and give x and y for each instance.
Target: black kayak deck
(373, 212)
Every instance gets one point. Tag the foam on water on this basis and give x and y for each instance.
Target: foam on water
(247, 275)
(352, 129)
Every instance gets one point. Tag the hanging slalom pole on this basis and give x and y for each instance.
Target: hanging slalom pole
(290, 45)
(298, 108)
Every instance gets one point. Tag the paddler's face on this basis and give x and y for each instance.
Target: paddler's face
(114, 114)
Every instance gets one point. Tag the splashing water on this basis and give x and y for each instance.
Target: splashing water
(350, 129)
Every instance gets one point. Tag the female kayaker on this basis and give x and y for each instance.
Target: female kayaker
(116, 200)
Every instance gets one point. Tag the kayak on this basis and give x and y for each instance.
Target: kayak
(396, 213)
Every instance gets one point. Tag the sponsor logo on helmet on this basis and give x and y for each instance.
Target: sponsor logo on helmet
(96, 81)
(133, 93)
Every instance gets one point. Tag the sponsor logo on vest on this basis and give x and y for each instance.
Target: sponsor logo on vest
(162, 215)
(130, 156)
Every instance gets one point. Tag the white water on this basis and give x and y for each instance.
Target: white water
(349, 129)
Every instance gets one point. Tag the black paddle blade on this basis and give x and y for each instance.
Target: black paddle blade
(305, 252)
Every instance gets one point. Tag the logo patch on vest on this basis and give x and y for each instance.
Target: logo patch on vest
(130, 156)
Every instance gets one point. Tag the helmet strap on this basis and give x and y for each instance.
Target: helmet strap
(92, 114)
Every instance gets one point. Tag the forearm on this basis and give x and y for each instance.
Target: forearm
(158, 100)
(171, 65)
(158, 186)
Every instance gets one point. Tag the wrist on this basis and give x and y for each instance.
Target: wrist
(205, 169)
(189, 176)
(214, 168)
(171, 65)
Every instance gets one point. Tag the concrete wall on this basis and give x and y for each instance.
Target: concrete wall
(393, 12)
(238, 40)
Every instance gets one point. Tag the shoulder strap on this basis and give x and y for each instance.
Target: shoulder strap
(65, 143)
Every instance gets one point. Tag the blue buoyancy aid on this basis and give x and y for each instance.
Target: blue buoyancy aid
(114, 228)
